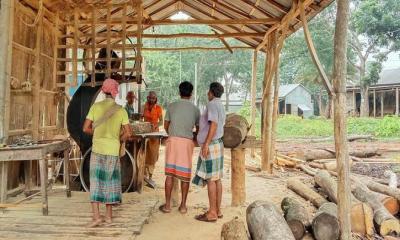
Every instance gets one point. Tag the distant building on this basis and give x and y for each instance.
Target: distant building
(294, 99)
(383, 97)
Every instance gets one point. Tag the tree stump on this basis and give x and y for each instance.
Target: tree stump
(265, 222)
(234, 230)
(296, 217)
(325, 224)
(235, 130)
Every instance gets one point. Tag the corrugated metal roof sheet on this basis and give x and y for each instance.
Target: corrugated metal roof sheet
(284, 90)
(390, 76)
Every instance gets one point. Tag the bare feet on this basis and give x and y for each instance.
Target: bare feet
(95, 223)
(182, 209)
(108, 220)
(163, 209)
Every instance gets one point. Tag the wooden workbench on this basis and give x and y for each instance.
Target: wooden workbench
(37, 152)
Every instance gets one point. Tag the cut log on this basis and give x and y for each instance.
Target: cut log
(390, 203)
(325, 224)
(304, 191)
(313, 154)
(235, 130)
(265, 222)
(234, 230)
(361, 214)
(377, 187)
(296, 217)
(387, 224)
(141, 127)
(285, 162)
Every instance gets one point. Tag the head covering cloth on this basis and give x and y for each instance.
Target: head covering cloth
(110, 86)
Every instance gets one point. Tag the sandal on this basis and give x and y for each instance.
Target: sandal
(221, 216)
(163, 210)
(204, 218)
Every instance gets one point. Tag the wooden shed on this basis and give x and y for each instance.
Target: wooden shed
(45, 42)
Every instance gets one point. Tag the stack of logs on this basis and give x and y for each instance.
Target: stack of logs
(374, 212)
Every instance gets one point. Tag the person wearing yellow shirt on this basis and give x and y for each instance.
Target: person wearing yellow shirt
(109, 125)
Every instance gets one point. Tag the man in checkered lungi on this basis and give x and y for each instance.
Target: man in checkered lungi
(211, 160)
(104, 122)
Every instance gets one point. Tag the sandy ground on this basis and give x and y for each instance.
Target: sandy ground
(184, 227)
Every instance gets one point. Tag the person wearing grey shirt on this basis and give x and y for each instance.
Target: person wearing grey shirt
(181, 118)
(211, 160)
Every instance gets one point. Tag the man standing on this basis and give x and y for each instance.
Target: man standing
(130, 98)
(181, 118)
(104, 122)
(211, 160)
(152, 112)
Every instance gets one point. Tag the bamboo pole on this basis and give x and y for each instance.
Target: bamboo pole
(339, 85)
(75, 49)
(253, 98)
(139, 12)
(109, 54)
(124, 36)
(36, 82)
(6, 47)
(93, 47)
(55, 51)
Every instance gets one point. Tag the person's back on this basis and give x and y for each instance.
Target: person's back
(106, 137)
(183, 116)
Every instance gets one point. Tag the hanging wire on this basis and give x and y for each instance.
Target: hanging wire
(38, 16)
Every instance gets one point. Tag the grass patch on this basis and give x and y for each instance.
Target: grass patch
(295, 127)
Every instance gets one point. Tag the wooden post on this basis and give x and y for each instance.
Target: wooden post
(382, 103)
(6, 29)
(94, 19)
(139, 10)
(55, 52)
(374, 103)
(66, 172)
(238, 181)
(43, 185)
(397, 102)
(340, 128)
(274, 115)
(3, 181)
(75, 49)
(253, 97)
(124, 41)
(284, 101)
(36, 82)
(109, 54)
(354, 104)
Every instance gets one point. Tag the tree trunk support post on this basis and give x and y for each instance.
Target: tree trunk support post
(354, 104)
(253, 97)
(339, 85)
(382, 100)
(397, 102)
(374, 103)
(238, 178)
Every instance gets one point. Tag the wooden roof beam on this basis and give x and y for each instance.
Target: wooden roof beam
(268, 21)
(195, 48)
(223, 41)
(291, 15)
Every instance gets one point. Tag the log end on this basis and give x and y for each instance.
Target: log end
(297, 228)
(362, 218)
(325, 227)
(389, 226)
(391, 204)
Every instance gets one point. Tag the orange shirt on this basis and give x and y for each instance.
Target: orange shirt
(152, 115)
